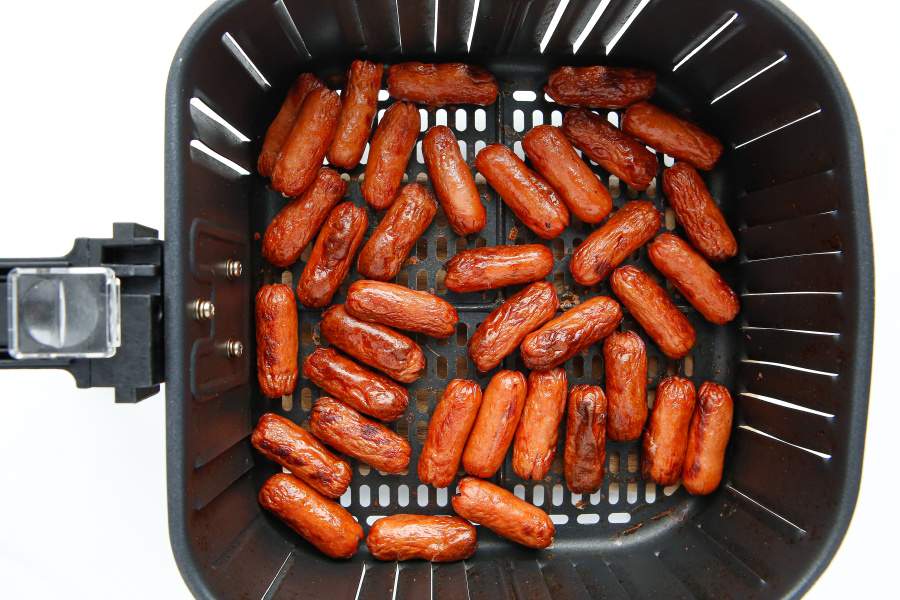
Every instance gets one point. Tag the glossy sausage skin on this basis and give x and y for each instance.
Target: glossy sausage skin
(627, 229)
(585, 453)
(535, 444)
(625, 362)
(671, 135)
(361, 388)
(297, 450)
(349, 432)
(321, 522)
(425, 537)
(698, 213)
(651, 306)
(620, 154)
(442, 84)
(494, 267)
(665, 441)
(448, 431)
(498, 417)
(332, 255)
(375, 345)
(692, 276)
(554, 157)
(453, 182)
(297, 223)
(530, 198)
(600, 87)
(395, 236)
(281, 126)
(359, 103)
(398, 306)
(393, 142)
(571, 332)
(276, 340)
(504, 329)
(503, 513)
(707, 439)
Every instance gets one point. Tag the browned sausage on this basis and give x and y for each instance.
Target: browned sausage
(361, 388)
(393, 142)
(425, 537)
(378, 346)
(297, 450)
(276, 340)
(530, 198)
(707, 439)
(395, 236)
(600, 87)
(535, 445)
(504, 514)
(494, 267)
(651, 306)
(321, 522)
(349, 432)
(441, 84)
(359, 103)
(398, 306)
(448, 431)
(303, 151)
(621, 155)
(666, 438)
(627, 229)
(495, 425)
(625, 361)
(585, 453)
(571, 332)
(452, 181)
(671, 135)
(508, 324)
(698, 213)
(698, 282)
(332, 255)
(283, 123)
(295, 225)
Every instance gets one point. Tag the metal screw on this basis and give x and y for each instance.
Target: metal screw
(233, 268)
(234, 348)
(204, 310)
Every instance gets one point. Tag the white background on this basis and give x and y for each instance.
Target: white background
(82, 481)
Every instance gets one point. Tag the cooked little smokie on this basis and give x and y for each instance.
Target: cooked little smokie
(585, 453)
(277, 343)
(600, 86)
(625, 361)
(492, 267)
(398, 306)
(281, 126)
(440, 84)
(707, 439)
(535, 443)
(452, 181)
(495, 425)
(426, 537)
(666, 439)
(389, 152)
(448, 430)
(359, 103)
(671, 135)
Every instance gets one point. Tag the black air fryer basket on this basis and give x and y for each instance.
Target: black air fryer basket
(791, 182)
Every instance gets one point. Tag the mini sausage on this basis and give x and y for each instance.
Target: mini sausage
(707, 439)
(501, 408)
(452, 181)
(627, 229)
(625, 362)
(359, 103)
(666, 438)
(321, 522)
(372, 344)
(448, 431)
(671, 135)
(530, 198)
(494, 267)
(554, 157)
(651, 306)
(503, 513)
(295, 449)
(332, 255)
(349, 432)
(535, 444)
(508, 324)
(585, 452)
(303, 151)
(692, 276)
(425, 537)
(599, 86)
(571, 332)
(398, 306)
(395, 236)
(442, 84)
(393, 142)
(276, 340)
(364, 390)
(281, 126)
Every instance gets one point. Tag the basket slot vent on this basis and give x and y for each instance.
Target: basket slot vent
(809, 195)
(418, 22)
(598, 12)
(805, 235)
(554, 23)
(380, 21)
(810, 390)
(378, 583)
(796, 273)
(238, 52)
(289, 27)
(279, 577)
(625, 26)
(777, 129)
(815, 352)
(811, 311)
(822, 455)
(796, 530)
(732, 87)
(204, 117)
(217, 163)
(785, 421)
(712, 32)
(473, 19)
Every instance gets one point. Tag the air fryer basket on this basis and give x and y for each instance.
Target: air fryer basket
(791, 182)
